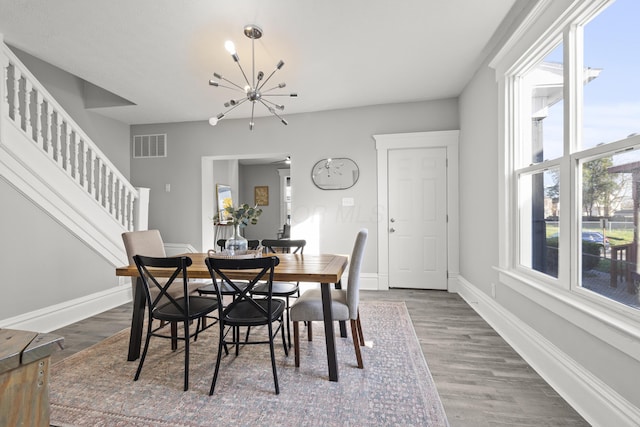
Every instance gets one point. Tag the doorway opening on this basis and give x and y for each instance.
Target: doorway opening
(252, 178)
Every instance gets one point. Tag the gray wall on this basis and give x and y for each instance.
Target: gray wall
(269, 222)
(479, 229)
(42, 263)
(317, 215)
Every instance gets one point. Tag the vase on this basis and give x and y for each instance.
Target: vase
(236, 243)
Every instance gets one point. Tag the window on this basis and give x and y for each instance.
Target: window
(574, 111)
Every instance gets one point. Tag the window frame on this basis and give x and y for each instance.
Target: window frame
(523, 51)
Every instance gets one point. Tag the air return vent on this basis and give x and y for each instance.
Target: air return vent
(148, 146)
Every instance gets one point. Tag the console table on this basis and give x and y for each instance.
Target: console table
(24, 377)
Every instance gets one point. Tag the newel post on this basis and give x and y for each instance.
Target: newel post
(141, 209)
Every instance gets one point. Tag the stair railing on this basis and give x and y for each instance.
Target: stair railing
(43, 121)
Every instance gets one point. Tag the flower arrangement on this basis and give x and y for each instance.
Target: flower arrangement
(241, 216)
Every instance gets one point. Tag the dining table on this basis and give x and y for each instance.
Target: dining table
(326, 269)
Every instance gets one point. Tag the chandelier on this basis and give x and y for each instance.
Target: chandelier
(254, 90)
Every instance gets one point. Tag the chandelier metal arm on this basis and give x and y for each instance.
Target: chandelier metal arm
(216, 84)
(221, 77)
(253, 106)
(245, 76)
(280, 86)
(280, 64)
(272, 111)
(233, 107)
(293, 95)
(278, 106)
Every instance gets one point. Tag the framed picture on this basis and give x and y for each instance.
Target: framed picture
(224, 200)
(261, 195)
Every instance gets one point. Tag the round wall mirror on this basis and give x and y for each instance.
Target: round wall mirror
(335, 173)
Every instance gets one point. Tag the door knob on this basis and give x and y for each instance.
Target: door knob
(392, 230)
(392, 220)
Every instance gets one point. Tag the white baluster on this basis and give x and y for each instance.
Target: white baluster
(58, 140)
(83, 164)
(91, 183)
(49, 129)
(116, 198)
(28, 87)
(4, 89)
(76, 156)
(16, 96)
(112, 189)
(39, 122)
(100, 195)
(67, 149)
(125, 208)
(130, 211)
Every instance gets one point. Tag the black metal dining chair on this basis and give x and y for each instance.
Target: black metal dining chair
(168, 305)
(282, 289)
(246, 310)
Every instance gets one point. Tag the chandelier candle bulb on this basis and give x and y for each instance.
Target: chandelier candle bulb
(231, 48)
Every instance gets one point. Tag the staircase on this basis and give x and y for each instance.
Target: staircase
(47, 157)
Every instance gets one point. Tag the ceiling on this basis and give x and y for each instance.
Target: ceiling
(160, 54)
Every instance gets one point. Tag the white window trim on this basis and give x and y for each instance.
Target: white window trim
(611, 322)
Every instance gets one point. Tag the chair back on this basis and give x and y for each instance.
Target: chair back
(353, 284)
(251, 244)
(157, 289)
(147, 243)
(287, 246)
(286, 231)
(220, 270)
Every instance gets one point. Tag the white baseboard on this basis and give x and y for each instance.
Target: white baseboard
(368, 282)
(59, 315)
(598, 403)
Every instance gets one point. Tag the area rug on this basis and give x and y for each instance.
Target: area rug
(95, 387)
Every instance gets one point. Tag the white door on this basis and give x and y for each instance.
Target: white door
(417, 221)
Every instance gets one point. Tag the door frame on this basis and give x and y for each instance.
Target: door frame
(437, 139)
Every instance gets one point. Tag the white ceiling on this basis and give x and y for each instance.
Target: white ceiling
(160, 54)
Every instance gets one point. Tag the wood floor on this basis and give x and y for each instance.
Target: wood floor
(481, 380)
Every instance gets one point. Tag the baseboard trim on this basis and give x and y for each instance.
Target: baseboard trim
(369, 282)
(59, 315)
(598, 403)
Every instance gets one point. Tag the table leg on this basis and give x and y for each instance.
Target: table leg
(332, 359)
(137, 320)
(342, 323)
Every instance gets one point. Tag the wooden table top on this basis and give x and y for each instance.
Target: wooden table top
(324, 268)
(23, 347)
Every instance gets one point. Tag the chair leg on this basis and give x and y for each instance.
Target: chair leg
(356, 342)
(273, 357)
(200, 319)
(144, 352)
(288, 328)
(296, 344)
(186, 355)
(284, 340)
(360, 330)
(215, 372)
(309, 331)
(174, 335)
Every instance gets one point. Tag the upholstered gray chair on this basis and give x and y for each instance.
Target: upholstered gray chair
(147, 243)
(344, 303)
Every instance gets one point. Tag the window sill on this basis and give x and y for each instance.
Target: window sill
(618, 328)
